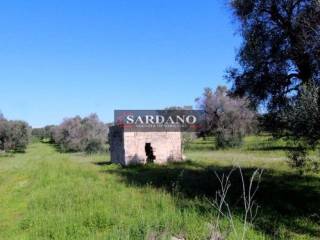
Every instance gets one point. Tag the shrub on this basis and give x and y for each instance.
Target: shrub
(226, 138)
(187, 139)
(94, 145)
(76, 134)
(298, 157)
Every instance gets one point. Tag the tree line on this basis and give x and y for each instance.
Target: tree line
(76, 134)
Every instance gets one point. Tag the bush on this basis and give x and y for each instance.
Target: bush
(229, 119)
(14, 135)
(187, 139)
(226, 138)
(76, 134)
(298, 157)
(93, 146)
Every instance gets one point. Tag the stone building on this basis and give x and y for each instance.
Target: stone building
(129, 148)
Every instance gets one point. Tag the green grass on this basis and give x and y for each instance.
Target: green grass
(45, 194)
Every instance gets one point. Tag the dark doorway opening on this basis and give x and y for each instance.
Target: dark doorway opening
(149, 152)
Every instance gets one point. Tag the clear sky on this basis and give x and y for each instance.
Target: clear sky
(62, 58)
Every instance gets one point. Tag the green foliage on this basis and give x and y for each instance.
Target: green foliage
(44, 134)
(187, 139)
(303, 116)
(302, 126)
(14, 135)
(227, 118)
(280, 65)
(280, 50)
(76, 134)
(298, 157)
(94, 146)
(226, 138)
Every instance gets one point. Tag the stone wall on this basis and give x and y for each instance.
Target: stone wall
(116, 142)
(130, 147)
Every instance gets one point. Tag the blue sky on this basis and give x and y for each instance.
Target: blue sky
(65, 58)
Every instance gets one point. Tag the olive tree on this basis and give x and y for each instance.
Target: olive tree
(87, 134)
(14, 135)
(44, 134)
(280, 49)
(302, 125)
(228, 119)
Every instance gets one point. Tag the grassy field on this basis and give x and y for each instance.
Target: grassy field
(45, 194)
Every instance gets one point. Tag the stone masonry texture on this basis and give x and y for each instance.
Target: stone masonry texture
(127, 148)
